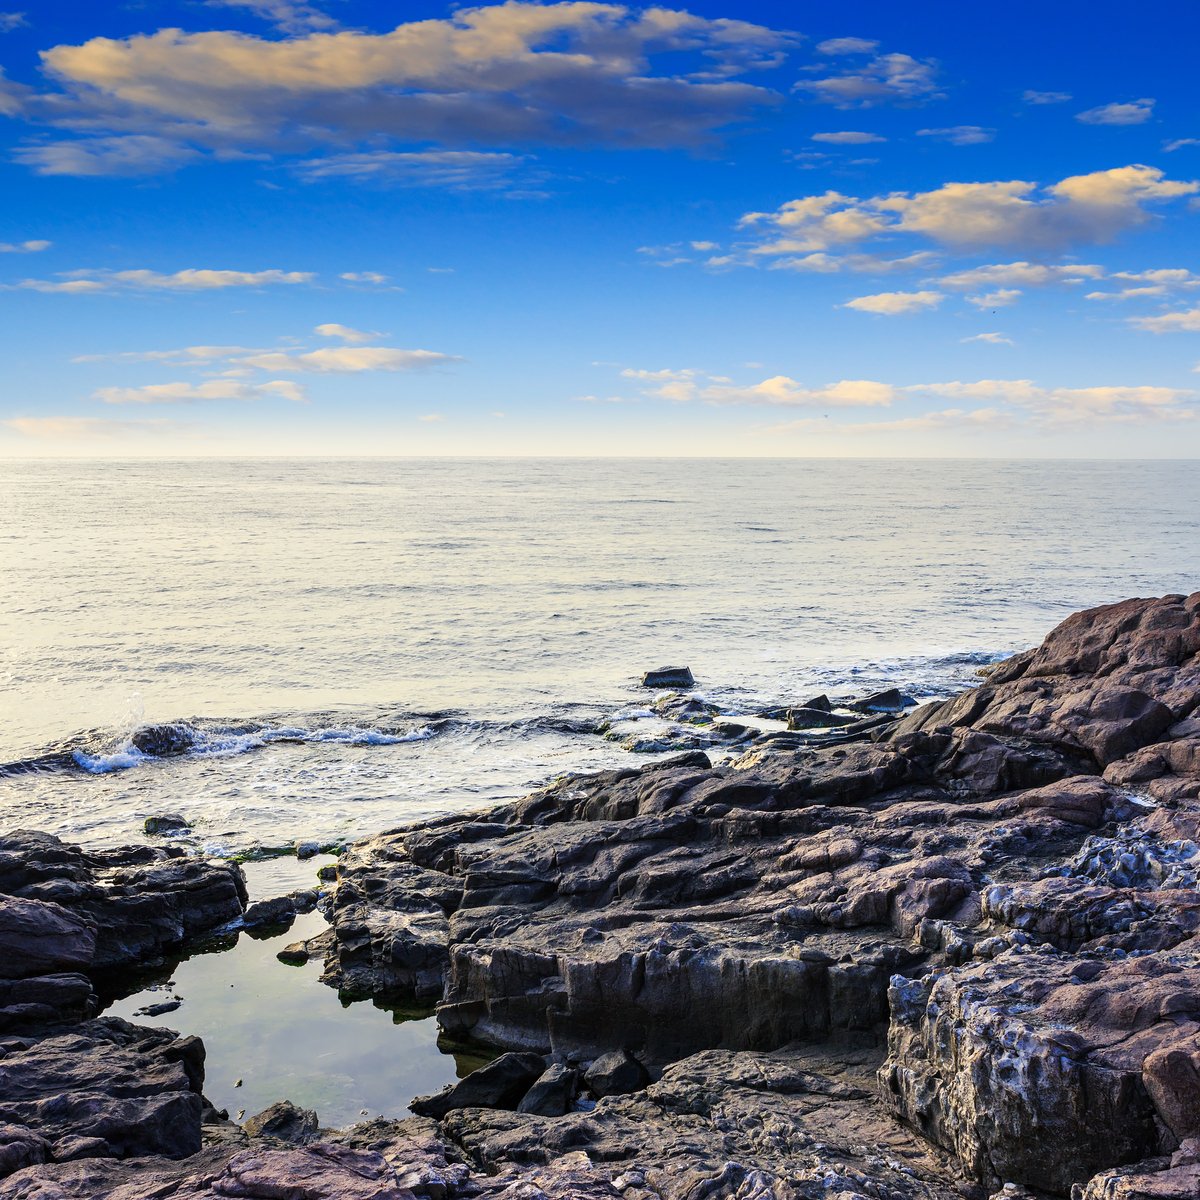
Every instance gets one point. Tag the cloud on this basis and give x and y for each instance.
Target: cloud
(848, 137)
(11, 20)
(894, 304)
(1026, 274)
(124, 154)
(1172, 322)
(847, 45)
(431, 418)
(187, 356)
(363, 277)
(960, 135)
(347, 360)
(887, 78)
(868, 264)
(687, 384)
(31, 247)
(993, 339)
(1000, 298)
(456, 170)
(1092, 208)
(1179, 143)
(1033, 97)
(74, 428)
(1066, 406)
(493, 75)
(1135, 112)
(659, 376)
(950, 418)
(345, 333)
(288, 16)
(189, 280)
(191, 393)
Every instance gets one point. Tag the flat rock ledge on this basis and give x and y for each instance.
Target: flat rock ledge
(960, 960)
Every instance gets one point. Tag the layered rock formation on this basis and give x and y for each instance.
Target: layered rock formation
(950, 955)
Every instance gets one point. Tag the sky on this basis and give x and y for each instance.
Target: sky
(280, 227)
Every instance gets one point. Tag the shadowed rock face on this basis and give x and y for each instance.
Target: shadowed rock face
(960, 956)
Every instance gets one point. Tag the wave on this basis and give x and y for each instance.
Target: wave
(204, 738)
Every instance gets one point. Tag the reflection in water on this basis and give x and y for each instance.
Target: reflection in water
(275, 1032)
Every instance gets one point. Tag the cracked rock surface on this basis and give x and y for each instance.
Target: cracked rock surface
(958, 960)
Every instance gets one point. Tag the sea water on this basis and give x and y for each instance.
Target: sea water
(346, 645)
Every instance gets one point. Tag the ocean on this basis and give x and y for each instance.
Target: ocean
(341, 646)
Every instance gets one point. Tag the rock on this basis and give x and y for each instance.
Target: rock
(41, 938)
(503, 1083)
(283, 1121)
(295, 954)
(553, 1094)
(160, 1009)
(890, 701)
(307, 850)
(270, 914)
(616, 1073)
(816, 718)
(168, 823)
(128, 1091)
(164, 741)
(668, 677)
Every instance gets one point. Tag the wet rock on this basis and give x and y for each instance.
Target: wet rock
(892, 700)
(307, 850)
(284, 1122)
(270, 914)
(503, 1083)
(160, 1009)
(668, 677)
(816, 718)
(167, 823)
(164, 741)
(615, 1074)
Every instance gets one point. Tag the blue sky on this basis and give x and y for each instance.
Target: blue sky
(348, 226)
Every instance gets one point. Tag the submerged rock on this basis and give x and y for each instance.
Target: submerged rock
(167, 823)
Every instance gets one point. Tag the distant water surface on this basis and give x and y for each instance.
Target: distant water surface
(351, 644)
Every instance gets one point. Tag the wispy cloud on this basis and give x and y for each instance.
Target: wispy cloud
(847, 45)
(31, 247)
(1001, 298)
(85, 428)
(885, 79)
(848, 137)
(193, 393)
(960, 135)
(346, 334)
(1069, 406)
(188, 280)
(992, 339)
(1031, 96)
(347, 360)
(456, 170)
(288, 16)
(1187, 321)
(1133, 112)
(12, 20)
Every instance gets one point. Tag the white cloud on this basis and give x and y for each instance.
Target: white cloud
(1179, 143)
(1089, 405)
(191, 393)
(1000, 298)
(847, 45)
(189, 280)
(11, 20)
(1034, 97)
(492, 75)
(187, 356)
(364, 277)
(1135, 112)
(1173, 322)
(431, 418)
(1027, 274)
(848, 137)
(887, 78)
(950, 418)
(659, 376)
(782, 391)
(1135, 293)
(30, 247)
(347, 359)
(84, 428)
(345, 333)
(1092, 208)
(993, 339)
(960, 135)
(894, 304)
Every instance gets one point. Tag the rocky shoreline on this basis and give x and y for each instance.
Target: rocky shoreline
(951, 954)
